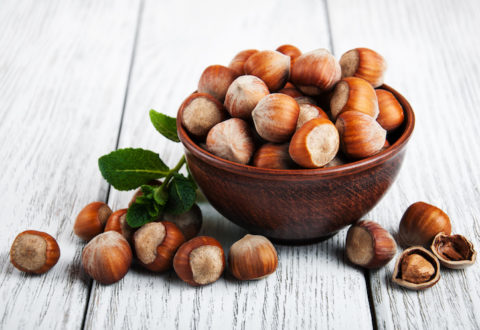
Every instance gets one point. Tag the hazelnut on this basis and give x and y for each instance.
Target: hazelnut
(289, 50)
(139, 192)
(354, 94)
(91, 220)
(416, 269)
(189, 222)
(364, 63)
(305, 100)
(270, 66)
(252, 258)
(238, 62)
(118, 222)
(243, 95)
(200, 113)
(290, 91)
(231, 140)
(421, 222)
(215, 80)
(315, 144)
(275, 117)
(34, 252)
(107, 257)
(369, 245)
(199, 261)
(272, 155)
(155, 245)
(360, 135)
(453, 251)
(309, 112)
(315, 72)
(391, 115)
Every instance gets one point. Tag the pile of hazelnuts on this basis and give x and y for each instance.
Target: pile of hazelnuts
(422, 226)
(283, 109)
(158, 246)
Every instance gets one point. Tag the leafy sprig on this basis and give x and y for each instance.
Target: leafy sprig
(127, 169)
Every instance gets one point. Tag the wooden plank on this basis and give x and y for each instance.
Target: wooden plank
(312, 288)
(432, 51)
(63, 75)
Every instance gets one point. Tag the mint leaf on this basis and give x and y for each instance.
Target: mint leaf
(165, 125)
(160, 196)
(181, 193)
(138, 215)
(127, 169)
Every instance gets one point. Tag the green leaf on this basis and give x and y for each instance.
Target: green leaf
(165, 125)
(190, 177)
(127, 169)
(182, 195)
(138, 215)
(160, 196)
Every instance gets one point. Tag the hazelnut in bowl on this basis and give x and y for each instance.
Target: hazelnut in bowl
(296, 205)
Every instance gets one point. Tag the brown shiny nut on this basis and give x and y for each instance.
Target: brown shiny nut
(34, 252)
(238, 62)
(315, 72)
(200, 112)
(215, 81)
(353, 94)
(200, 261)
(421, 222)
(243, 95)
(453, 251)
(231, 140)
(189, 222)
(270, 66)
(252, 258)
(369, 245)
(290, 91)
(155, 245)
(275, 117)
(107, 257)
(360, 135)
(364, 63)
(91, 220)
(118, 222)
(315, 144)
(271, 155)
(416, 269)
(390, 114)
(309, 112)
(289, 50)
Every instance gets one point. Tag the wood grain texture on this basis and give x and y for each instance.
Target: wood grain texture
(63, 72)
(312, 287)
(432, 53)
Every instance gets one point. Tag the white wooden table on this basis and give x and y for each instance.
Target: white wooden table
(77, 79)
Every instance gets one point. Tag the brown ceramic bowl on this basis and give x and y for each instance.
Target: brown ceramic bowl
(302, 205)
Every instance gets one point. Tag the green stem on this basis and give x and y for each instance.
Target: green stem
(174, 170)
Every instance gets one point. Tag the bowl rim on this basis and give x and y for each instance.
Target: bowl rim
(323, 172)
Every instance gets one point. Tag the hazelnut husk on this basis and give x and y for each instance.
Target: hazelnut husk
(416, 269)
(421, 222)
(453, 251)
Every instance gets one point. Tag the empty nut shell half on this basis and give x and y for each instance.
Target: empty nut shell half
(454, 251)
(416, 269)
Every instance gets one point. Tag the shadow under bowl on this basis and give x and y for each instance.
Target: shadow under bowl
(297, 206)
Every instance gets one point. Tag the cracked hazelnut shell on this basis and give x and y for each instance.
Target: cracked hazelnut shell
(453, 251)
(416, 269)
(421, 222)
